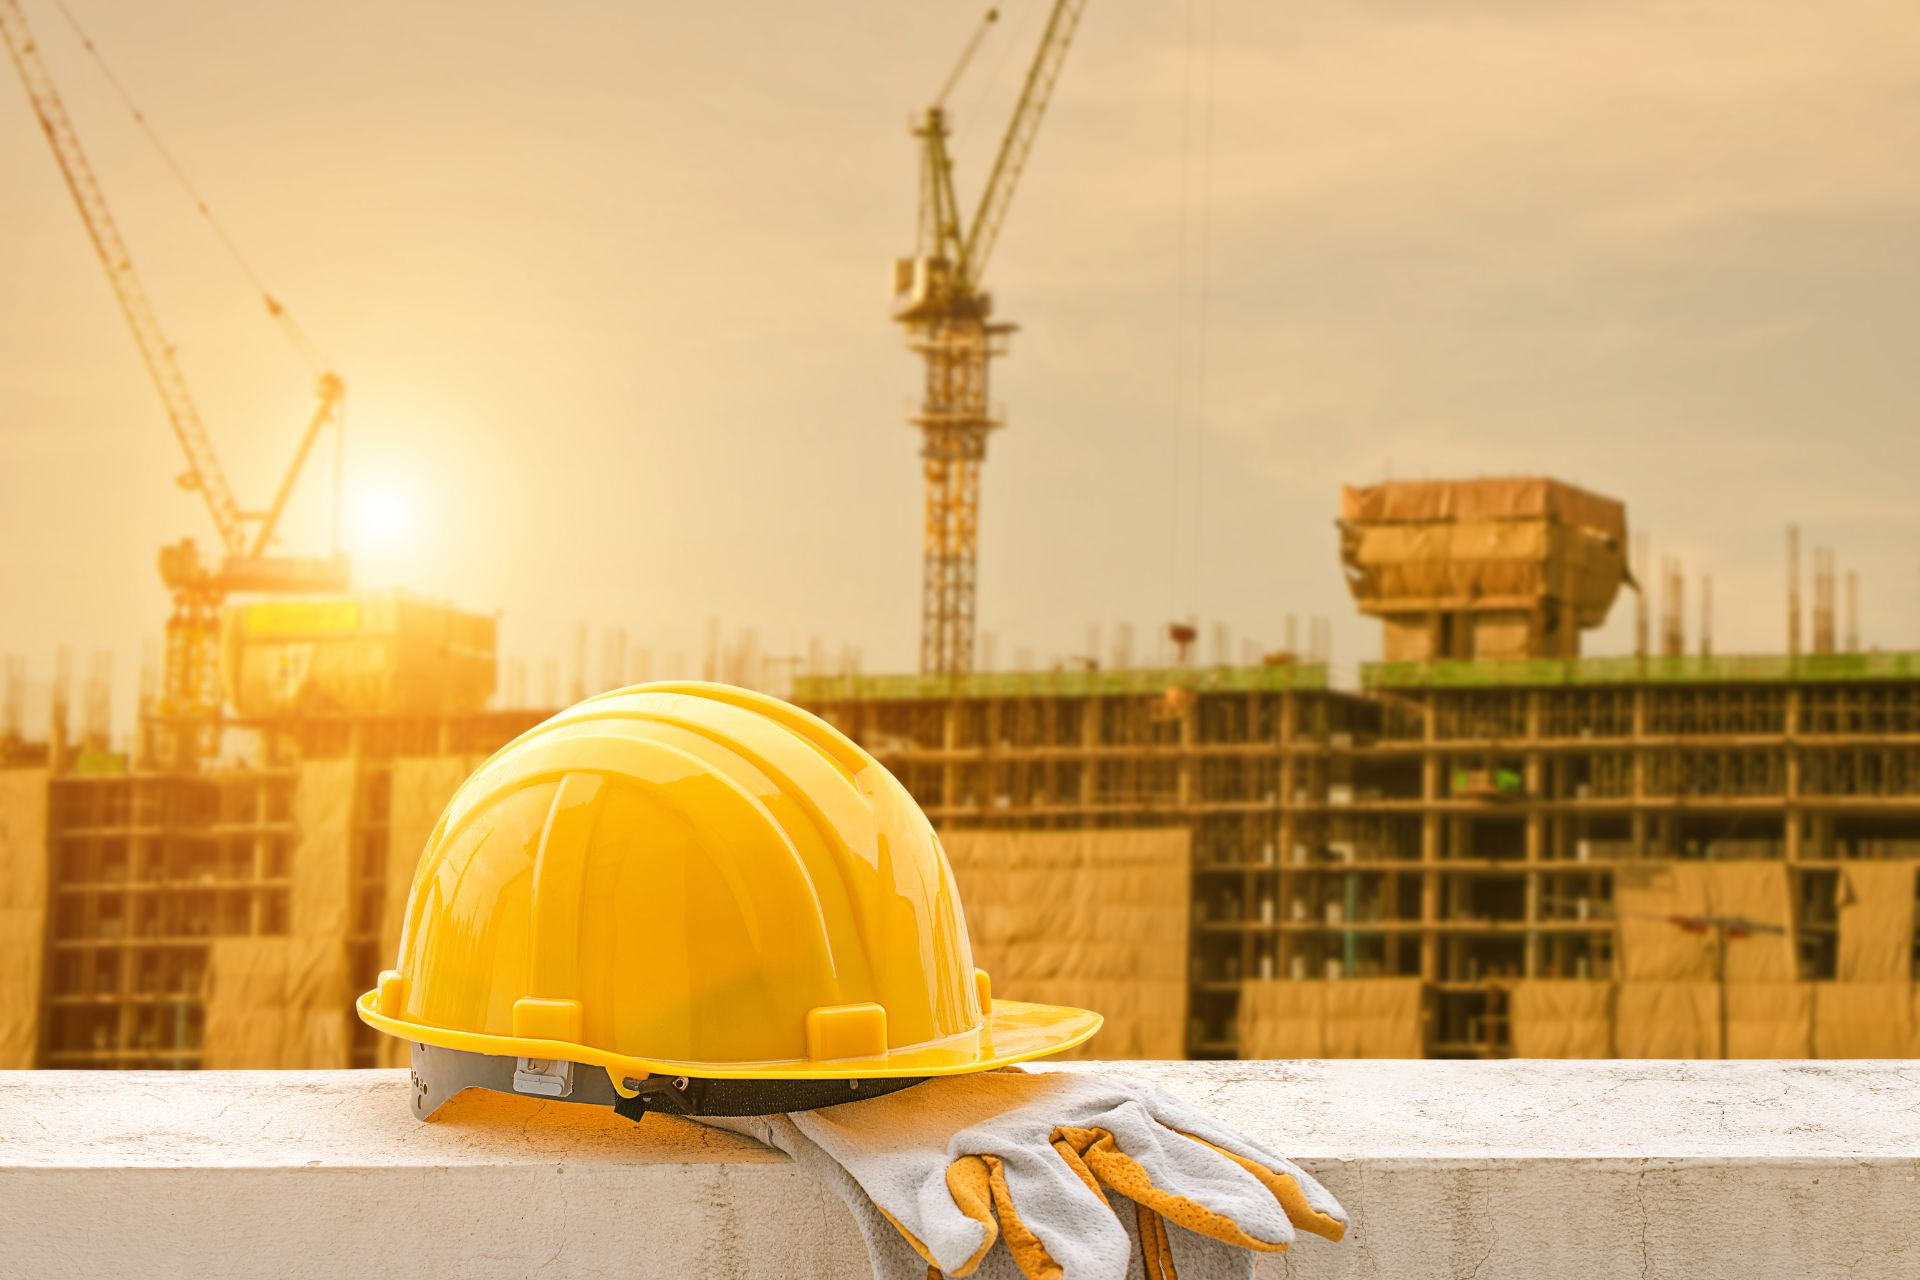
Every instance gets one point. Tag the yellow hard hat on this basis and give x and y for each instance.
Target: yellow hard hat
(696, 884)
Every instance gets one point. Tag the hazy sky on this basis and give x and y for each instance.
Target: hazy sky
(608, 284)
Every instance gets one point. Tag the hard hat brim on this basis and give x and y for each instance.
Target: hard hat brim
(1014, 1031)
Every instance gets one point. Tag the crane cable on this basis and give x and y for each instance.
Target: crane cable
(289, 326)
(1179, 325)
(1204, 325)
(1016, 38)
(1191, 278)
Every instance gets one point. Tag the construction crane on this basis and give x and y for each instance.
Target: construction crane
(939, 299)
(190, 686)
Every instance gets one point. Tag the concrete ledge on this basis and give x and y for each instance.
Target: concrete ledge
(1499, 1169)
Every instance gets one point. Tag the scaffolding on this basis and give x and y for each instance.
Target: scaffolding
(1461, 826)
(1460, 859)
(225, 918)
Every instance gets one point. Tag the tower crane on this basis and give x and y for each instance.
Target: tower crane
(190, 688)
(940, 301)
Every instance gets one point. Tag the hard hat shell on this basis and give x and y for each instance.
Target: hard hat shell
(695, 879)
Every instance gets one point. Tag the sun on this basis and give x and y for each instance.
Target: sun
(381, 518)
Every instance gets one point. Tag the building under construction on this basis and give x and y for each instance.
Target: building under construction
(1491, 846)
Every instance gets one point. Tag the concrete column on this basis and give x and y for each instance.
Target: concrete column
(1791, 817)
(1534, 778)
(1431, 764)
(1089, 749)
(1287, 832)
(1639, 767)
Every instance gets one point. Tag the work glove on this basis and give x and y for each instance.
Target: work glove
(937, 1173)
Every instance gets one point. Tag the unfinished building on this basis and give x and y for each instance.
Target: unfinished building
(1493, 847)
(220, 916)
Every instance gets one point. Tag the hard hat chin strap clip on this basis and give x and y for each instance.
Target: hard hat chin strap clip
(676, 1096)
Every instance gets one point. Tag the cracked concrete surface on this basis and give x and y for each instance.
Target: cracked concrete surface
(1493, 1170)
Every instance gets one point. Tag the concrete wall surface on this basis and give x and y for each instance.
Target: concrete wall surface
(1451, 1169)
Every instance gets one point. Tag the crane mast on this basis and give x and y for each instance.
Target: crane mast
(191, 687)
(947, 316)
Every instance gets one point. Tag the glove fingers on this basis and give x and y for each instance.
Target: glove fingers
(1156, 1251)
(970, 1183)
(978, 1185)
(1054, 1217)
(1176, 1115)
(1071, 1154)
(1318, 1202)
(1120, 1171)
(1035, 1262)
(1286, 1188)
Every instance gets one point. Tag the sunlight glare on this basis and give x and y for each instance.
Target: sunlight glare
(382, 519)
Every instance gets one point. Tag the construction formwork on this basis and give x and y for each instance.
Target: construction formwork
(1660, 856)
(1639, 823)
(227, 917)
(1475, 859)
(1227, 753)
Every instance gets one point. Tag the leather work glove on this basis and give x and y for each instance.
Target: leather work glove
(936, 1173)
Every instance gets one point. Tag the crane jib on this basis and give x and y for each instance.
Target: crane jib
(204, 472)
(190, 698)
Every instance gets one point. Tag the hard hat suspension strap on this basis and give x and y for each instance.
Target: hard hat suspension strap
(705, 1096)
(439, 1074)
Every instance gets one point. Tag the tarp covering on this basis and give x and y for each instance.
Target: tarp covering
(421, 787)
(1653, 948)
(1500, 543)
(23, 912)
(1757, 891)
(1864, 1020)
(1769, 1019)
(1650, 901)
(1486, 498)
(1350, 1018)
(1876, 908)
(323, 839)
(1582, 1019)
(1374, 1018)
(275, 1003)
(1283, 1019)
(286, 1001)
(1091, 918)
(366, 654)
(1561, 1018)
(1500, 636)
(246, 1014)
(319, 1003)
(1667, 1020)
